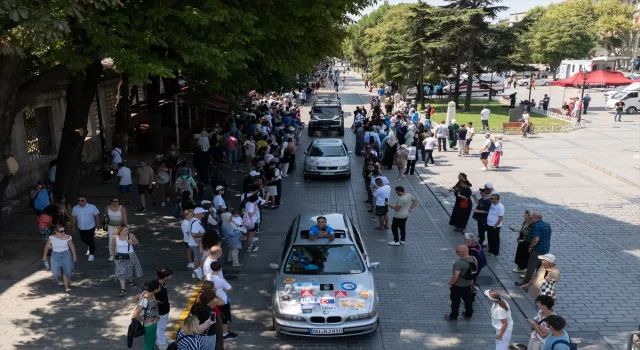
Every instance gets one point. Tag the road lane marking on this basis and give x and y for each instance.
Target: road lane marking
(186, 310)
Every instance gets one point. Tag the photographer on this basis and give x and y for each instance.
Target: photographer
(41, 197)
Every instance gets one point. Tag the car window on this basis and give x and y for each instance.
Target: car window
(287, 240)
(324, 260)
(632, 95)
(327, 151)
(326, 110)
(356, 235)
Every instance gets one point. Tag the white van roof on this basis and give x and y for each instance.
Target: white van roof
(633, 87)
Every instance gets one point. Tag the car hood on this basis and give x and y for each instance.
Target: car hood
(341, 295)
(327, 161)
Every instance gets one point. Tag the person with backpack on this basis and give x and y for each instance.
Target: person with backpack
(559, 338)
(476, 251)
(488, 147)
(41, 197)
(501, 319)
(186, 183)
(465, 270)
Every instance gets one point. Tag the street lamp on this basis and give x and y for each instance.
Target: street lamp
(584, 84)
(451, 78)
(530, 82)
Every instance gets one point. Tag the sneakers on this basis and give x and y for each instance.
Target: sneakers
(142, 210)
(91, 257)
(402, 242)
(229, 336)
(253, 249)
(484, 169)
(522, 275)
(88, 252)
(519, 270)
(449, 319)
(111, 258)
(255, 239)
(492, 255)
(162, 204)
(46, 266)
(393, 243)
(190, 265)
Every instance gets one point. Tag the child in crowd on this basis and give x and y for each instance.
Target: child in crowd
(222, 287)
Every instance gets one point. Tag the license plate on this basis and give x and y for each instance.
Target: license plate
(326, 174)
(326, 331)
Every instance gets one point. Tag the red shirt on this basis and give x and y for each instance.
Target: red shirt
(232, 143)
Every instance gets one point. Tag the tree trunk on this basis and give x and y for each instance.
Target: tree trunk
(122, 116)
(457, 90)
(470, 67)
(153, 113)
(80, 93)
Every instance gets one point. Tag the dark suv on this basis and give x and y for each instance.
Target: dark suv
(326, 115)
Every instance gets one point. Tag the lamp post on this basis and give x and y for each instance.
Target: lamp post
(530, 82)
(584, 84)
(451, 77)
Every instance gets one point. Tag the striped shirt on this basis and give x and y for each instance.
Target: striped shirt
(189, 342)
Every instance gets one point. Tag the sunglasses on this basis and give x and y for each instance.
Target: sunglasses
(82, 200)
(61, 230)
(115, 201)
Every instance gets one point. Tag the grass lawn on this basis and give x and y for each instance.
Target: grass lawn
(499, 113)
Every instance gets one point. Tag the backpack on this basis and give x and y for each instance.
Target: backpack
(471, 272)
(572, 346)
(492, 147)
(184, 185)
(482, 259)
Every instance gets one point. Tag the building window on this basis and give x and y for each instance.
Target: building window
(38, 132)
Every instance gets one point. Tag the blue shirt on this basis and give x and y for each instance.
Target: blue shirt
(542, 230)
(548, 343)
(315, 230)
(42, 200)
(380, 92)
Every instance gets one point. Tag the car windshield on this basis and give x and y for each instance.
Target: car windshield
(620, 95)
(326, 110)
(324, 260)
(327, 151)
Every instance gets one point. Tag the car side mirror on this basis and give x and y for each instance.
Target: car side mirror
(274, 266)
(374, 265)
(305, 152)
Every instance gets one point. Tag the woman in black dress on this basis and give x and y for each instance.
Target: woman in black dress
(524, 241)
(389, 151)
(462, 208)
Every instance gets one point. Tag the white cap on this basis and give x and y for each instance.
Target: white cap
(548, 257)
(199, 210)
(254, 173)
(219, 187)
(488, 185)
(205, 202)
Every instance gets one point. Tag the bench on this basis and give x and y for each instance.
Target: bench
(515, 126)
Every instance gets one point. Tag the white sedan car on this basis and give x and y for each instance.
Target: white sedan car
(539, 81)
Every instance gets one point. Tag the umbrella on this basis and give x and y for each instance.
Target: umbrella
(593, 79)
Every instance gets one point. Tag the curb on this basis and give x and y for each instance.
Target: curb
(604, 170)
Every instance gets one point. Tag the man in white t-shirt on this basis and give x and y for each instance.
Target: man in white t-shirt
(485, 151)
(484, 117)
(222, 287)
(124, 175)
(405, 204)
(494, 223)
(382, 194)
(203, 141)
(215, 253)
(197, 231)
(116, 157)
(470, 132)
(429, 143)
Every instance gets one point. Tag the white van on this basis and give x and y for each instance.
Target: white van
(494, 82)
(630, 96)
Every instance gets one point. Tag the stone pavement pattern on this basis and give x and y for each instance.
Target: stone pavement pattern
(594, 221)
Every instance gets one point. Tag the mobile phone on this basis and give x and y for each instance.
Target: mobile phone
(213, 317)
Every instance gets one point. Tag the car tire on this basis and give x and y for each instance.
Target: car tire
(632, 110)
(547, 84)
(524, 84)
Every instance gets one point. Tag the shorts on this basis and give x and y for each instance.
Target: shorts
(125, 189)
(197, 254)
(225, 310)
(272, 190)
(144, 189)
(469, 141)
(381, 210)
(484, 155)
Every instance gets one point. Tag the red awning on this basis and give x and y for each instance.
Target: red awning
(594, 78)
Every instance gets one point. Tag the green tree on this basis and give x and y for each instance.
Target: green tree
(564, 31)
(613, 24)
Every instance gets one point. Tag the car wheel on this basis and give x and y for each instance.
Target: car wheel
(493, 93)
(547, 84)
(524, 84)
(632, 110)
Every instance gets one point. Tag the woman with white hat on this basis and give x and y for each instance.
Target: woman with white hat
(501, 319)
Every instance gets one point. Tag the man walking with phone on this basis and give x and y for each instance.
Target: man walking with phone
(404, 206)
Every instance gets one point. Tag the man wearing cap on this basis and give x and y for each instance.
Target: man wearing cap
(546, 278)
(540, 244)
(197, 231)
(489, 186)
(218, 201)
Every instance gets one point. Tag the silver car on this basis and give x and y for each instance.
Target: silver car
(327, 157)
(324, 288)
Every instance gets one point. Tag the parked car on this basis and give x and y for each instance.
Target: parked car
(539, 81)
(327, 157)
(611, 93)
(324, 288)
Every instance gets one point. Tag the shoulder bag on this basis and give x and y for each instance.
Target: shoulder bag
(124, 256)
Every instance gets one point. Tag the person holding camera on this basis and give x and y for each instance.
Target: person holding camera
(41, 197)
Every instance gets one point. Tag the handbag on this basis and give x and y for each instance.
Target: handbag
(464, 204)
(123, 256)
(548, 287)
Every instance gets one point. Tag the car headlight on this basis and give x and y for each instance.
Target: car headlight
(343, 168)
(358, 317)
(296, 318)
(309, 167)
